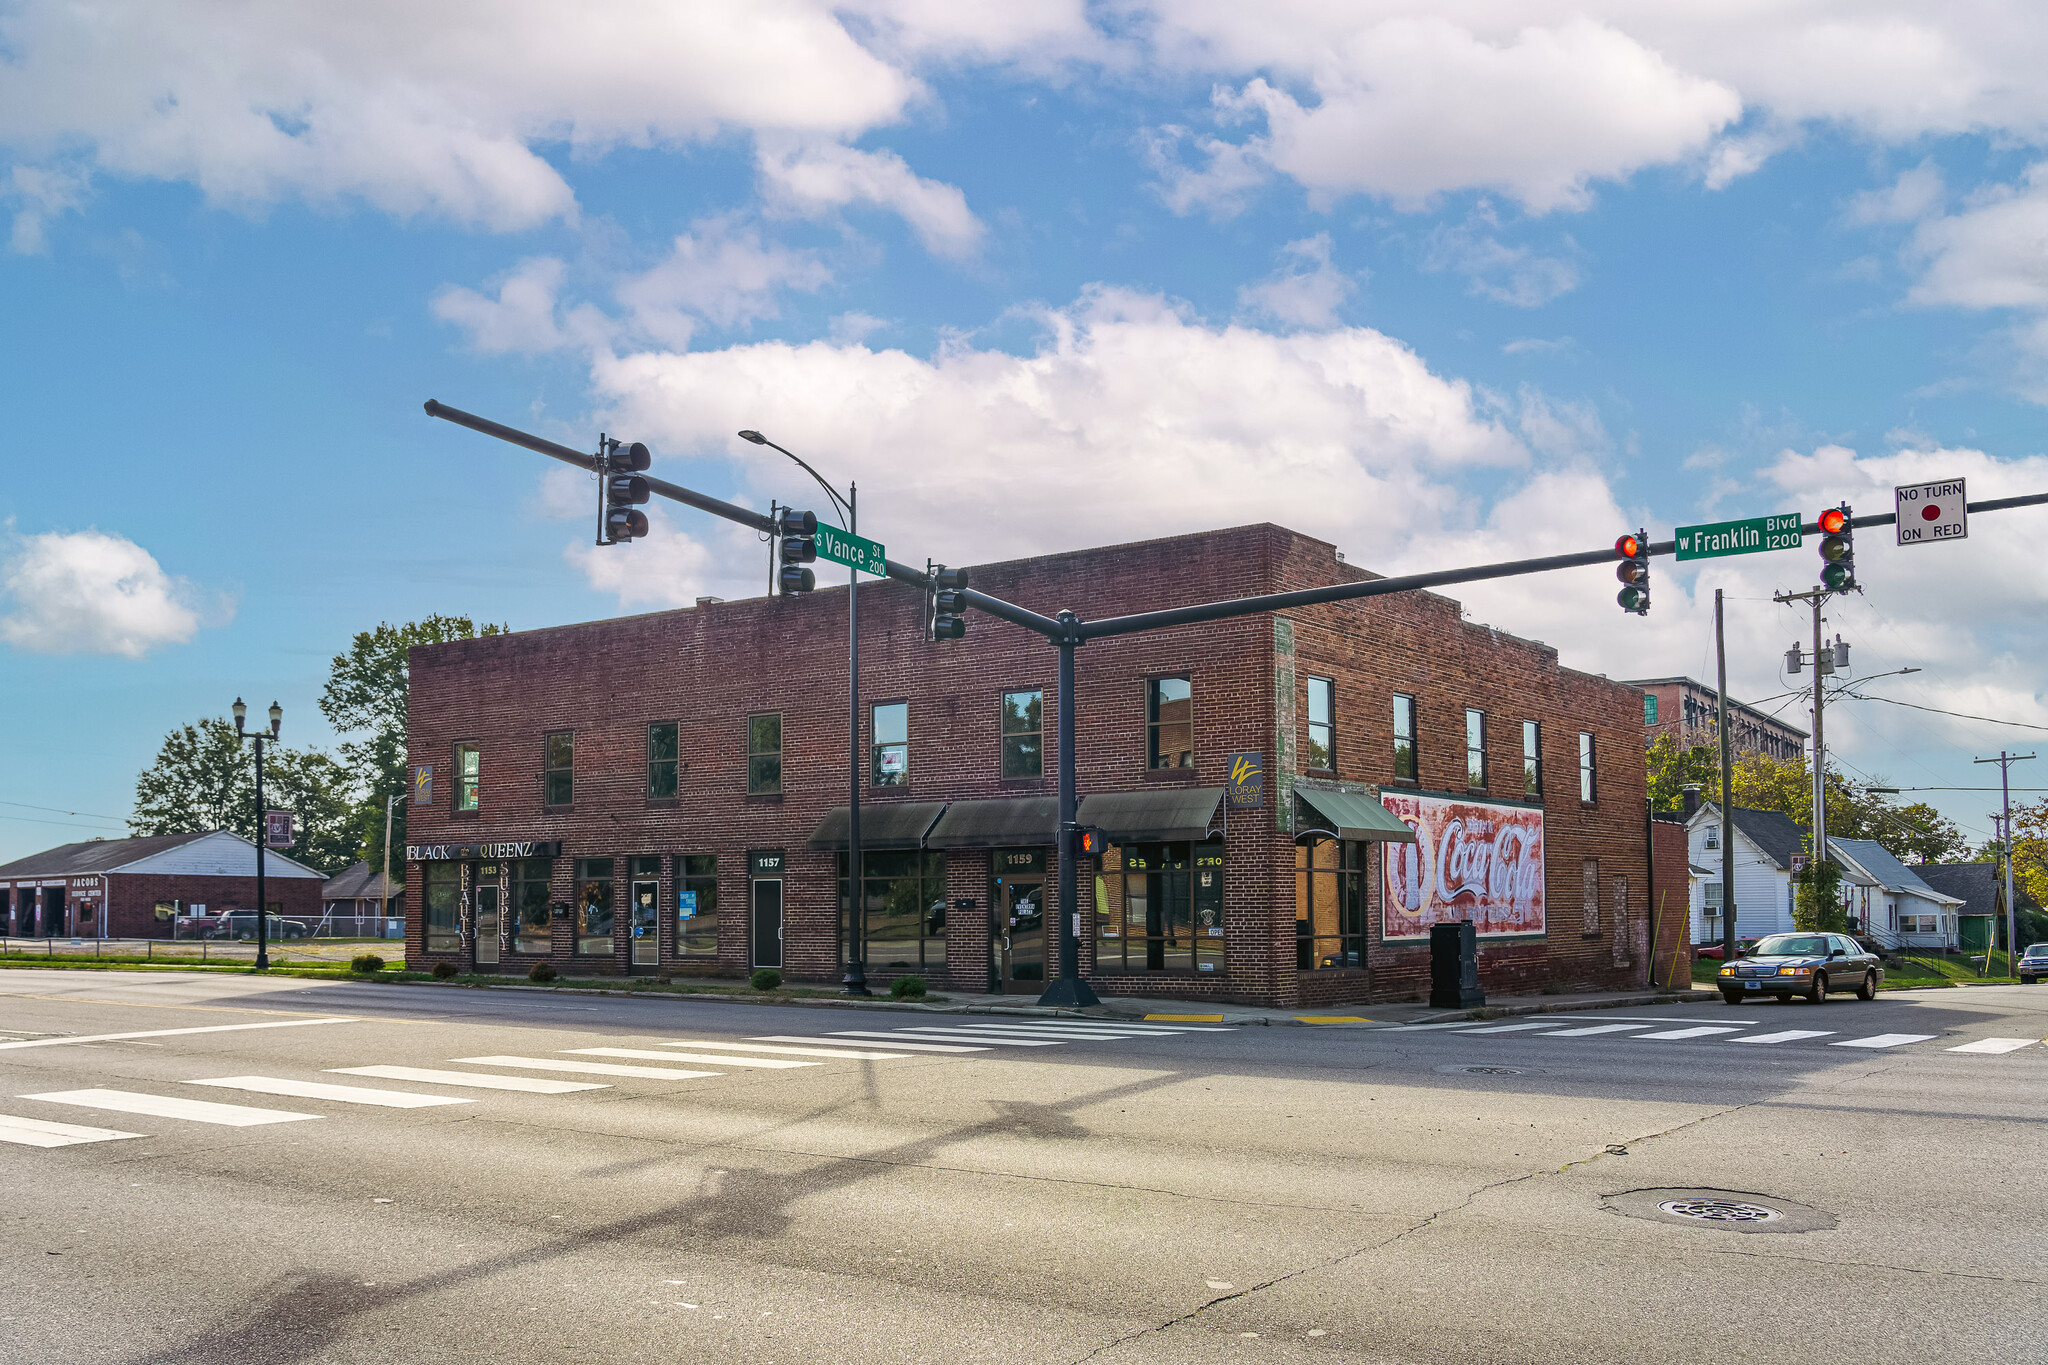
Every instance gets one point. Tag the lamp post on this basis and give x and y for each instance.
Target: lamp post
(390, 803)
(855, 980)
(262, 822)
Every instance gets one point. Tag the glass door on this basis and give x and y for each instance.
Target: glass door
(1019, 937)
(488, 907)
(646, 927)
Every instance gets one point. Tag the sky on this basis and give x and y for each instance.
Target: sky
(1443, 283)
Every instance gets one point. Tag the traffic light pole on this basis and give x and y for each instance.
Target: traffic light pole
(855, 982)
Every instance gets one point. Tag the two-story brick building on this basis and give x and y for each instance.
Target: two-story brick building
(667, 793)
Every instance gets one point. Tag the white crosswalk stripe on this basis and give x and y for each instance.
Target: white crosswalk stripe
(665, 1073)
(43, 1133)
(1126, 1026)
(533, 1085)
(1703, 1031)
(171, 1107)
(1997, 1045)
(1790, 1035)
(171, 1032)
(1514, 1028)
(765, 1063)
(340, 1094)
(896, 1042)
(953, 1035)
(833, 1051)
(1592, 1029)
(1884, 1040)
(1015, 1031)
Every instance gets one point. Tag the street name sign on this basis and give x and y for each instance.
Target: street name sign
(1746, 537)
(852, 551)
(1932, 511)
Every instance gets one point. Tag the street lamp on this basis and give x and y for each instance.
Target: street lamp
(241, 710)
(855, 980)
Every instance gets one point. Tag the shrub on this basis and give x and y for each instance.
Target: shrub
(445, 971)
(765, 979)
(906, 988)
(369, 964)
(541, 972)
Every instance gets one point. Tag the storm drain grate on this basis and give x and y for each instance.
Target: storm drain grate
(1473, 1069)
(1719, 1210)
(1726, 1210)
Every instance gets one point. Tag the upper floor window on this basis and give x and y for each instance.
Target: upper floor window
(1405, 769)
(1588, 791)
(661, 760)
(764, 754)
(558, 775)
(1532, 760)
(468, 764)
(1713, 837)
(1475, 748)
(1023, 734)
(890, 724)
(1322, 733)
(1170, 723)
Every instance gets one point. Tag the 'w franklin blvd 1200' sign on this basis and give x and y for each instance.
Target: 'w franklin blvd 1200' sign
(1745, 537)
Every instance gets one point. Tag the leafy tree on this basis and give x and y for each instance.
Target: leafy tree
(204, 778)
(1817, 899)
(1673, 768)
(365, 698)
(1912, 833)
(2030, 850)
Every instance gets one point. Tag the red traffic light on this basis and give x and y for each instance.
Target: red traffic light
(1833, 521)
(1628, 547)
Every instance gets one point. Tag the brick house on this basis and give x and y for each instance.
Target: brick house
(112, 888)
(666, 793)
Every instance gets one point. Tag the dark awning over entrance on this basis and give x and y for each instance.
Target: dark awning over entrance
(1346, 814)
(1019, 822)
(1143, 817)
(896, 824)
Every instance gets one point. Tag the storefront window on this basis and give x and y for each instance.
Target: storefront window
(444, 932)
(1159, 908)
(1023, 734)
(891, 739)
(644, 906)
(594, 907)
(697, 905)
(906, 904)
(1329, 904)
(533, 902)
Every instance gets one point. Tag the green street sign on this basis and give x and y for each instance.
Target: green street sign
(856, 553)
(1746, 537)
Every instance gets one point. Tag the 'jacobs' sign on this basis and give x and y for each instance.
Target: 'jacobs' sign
(441, 853)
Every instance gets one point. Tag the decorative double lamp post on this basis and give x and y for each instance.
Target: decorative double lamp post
(262, 821)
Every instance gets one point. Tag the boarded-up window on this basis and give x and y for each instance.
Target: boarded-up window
(1592, 872)
(1621, 921)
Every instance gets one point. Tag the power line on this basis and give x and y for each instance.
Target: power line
(1960, 715)
(68, 824)
(55, 810)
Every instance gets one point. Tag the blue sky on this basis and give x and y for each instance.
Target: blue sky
(1443, 283)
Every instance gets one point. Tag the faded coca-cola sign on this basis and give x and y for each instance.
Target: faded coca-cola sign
(1470, 860)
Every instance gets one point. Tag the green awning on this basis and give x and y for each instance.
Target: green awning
(1016, 822)
(1145, 817)
(1344, 813)
(884, 825)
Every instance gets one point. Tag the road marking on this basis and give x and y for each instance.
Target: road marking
(770, 1063)
(170, 1032)
(171, 1107)
(43, 1133)
(1690, 1032)
(341, 1094)
(1790, 1035)
(839, 1052)
(1025, 1031)
(957, 1035)
(1885, 1040)
(897, 1043)
(1660, 1019)
(586, 1068)
(1119, 1025)
(1596, 1028)
(531, 1084)
(1418, 1028)
(1331, 1019)
(1996, 1045)
(1515, 1028)
(1189, 1018)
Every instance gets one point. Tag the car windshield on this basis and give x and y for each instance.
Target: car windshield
(1792, 945)
(2035, 950)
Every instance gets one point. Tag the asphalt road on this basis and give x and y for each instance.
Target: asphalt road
(1340, 1194)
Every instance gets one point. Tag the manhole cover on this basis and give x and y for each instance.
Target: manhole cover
(1482, 1070)
(1730, 1210)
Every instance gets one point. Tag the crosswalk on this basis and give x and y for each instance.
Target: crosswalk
(1646, 1028)
(680, 1060)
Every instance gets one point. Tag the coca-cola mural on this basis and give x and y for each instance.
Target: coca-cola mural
(1470, 860)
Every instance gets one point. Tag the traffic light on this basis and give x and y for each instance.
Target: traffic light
(1090, 842)
(624, 491)
(1837, 550)
(796, 544)
(949, 604)
(1634, 573)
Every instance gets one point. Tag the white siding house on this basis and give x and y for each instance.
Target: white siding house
(1765, 842)
(1895, 908)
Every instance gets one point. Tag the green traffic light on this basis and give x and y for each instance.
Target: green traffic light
(1835, 577)
(1630, 598)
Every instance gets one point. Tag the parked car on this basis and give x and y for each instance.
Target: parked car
(241, 924)
(1713, 952)
(2033, 963)
(1803, 964)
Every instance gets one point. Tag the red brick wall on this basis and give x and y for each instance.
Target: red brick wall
(708, 668)
(1670, 907)
(133, 898)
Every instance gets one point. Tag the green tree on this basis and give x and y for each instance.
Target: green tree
(204, 778)
(1817, 899)
(1912, 833)
(1673, 768)
(365, 700)
(2030, 851)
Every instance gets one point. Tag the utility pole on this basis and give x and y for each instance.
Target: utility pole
(1727, 782)
(2012, 952)
(1825, 661)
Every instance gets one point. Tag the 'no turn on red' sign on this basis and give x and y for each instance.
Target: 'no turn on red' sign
(1932, 511)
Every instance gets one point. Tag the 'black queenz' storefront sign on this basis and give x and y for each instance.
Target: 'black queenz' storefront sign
(442, 853)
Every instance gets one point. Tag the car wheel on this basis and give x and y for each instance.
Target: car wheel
(1817, 993)
(1868, 990)
(1731, 998)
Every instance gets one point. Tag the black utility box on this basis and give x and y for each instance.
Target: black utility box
(1454, 967)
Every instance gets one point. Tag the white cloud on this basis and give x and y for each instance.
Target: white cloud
(721, 273)
(522, 316)
(43, 192)
(1991, 254)
(1917, 193)
(1515, 275)
(1307, 291)
(89, 592)
(812, 176)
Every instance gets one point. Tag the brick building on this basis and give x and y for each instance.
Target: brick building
(666, 793)
(112, 888)
(1687, 711)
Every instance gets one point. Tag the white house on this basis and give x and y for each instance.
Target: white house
(1766, 841)
(1891, 904)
